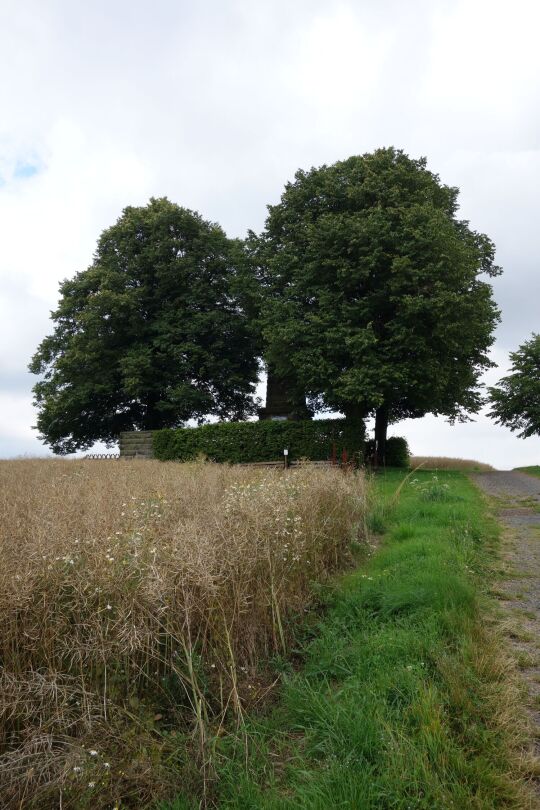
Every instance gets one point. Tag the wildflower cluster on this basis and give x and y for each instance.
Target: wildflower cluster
(432, 490)
(271, 509)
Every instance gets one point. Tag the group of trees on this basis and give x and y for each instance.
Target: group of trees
(365, 291)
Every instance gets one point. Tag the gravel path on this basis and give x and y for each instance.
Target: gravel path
(517, 500)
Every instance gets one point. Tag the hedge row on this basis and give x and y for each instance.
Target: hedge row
(238, 442)
(397, 451)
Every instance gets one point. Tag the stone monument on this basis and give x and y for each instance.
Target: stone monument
(283, 400)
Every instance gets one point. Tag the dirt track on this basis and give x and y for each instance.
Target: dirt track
(517, 498)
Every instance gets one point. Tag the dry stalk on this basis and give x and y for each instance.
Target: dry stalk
(142, 597)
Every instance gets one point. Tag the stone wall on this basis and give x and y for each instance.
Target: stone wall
(136, 444)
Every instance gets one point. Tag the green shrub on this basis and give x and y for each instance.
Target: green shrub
(397, 451)
(239, 442)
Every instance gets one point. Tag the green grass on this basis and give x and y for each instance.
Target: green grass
(403, 698)
(535, 470)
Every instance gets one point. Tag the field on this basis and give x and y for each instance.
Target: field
(144, 607)
(443, 463)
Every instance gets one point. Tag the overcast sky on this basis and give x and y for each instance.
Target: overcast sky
(216, 104)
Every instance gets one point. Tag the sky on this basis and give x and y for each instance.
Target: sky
(216, 105)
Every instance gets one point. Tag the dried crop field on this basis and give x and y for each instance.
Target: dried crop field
(140, 605)
(443, 463)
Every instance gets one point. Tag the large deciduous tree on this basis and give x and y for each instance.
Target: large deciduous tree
(515, 400)
(154, 332)
(375, 300)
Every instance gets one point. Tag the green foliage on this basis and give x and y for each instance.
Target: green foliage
(397, 451)
(156, 331)
(374, 297)
(239, 442)
(401, 699)
(515, 400)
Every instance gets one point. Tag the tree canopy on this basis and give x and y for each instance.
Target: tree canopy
(153, 333)
(515, 400)
(374, 299)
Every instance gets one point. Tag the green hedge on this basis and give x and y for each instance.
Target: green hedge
(260, 441)
(397, 451)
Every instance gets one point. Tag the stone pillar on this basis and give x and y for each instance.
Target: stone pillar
(282, 399)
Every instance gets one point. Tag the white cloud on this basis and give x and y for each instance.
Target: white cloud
(338, 66)
(17, 416)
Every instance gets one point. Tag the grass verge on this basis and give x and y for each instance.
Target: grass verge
(405, 698)
(535, 470)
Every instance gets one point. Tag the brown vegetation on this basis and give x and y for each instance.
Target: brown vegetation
(443, 463)
(139, 603)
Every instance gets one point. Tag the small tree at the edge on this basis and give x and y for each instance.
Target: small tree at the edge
(515, 400)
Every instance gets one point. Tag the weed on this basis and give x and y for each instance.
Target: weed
(525, 660)
(432, 489)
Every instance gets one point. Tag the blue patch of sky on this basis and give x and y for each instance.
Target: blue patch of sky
(25, 169)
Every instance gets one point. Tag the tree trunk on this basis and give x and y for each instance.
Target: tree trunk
(381, 428)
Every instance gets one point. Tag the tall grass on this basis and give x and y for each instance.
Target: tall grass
(139, 606)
